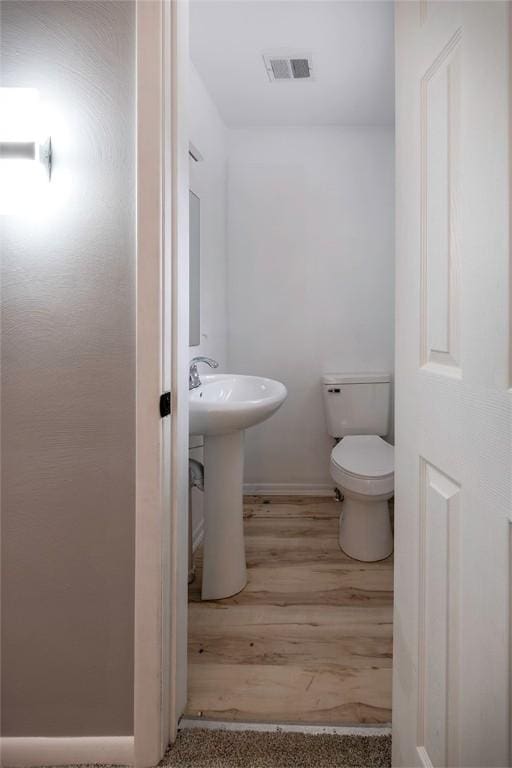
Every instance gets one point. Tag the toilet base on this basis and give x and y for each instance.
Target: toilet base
(365, 527)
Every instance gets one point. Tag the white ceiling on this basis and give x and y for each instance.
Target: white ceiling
(352, 48)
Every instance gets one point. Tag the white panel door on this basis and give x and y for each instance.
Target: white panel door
(452, 688)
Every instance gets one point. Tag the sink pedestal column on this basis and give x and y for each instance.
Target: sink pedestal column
(224, 568)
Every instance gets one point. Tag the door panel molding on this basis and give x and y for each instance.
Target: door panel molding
(438, 600)
(439, 179)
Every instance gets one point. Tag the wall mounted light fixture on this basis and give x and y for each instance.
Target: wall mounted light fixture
(28, 150)
(25, 150)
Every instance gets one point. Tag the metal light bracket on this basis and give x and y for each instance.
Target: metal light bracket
(28, 150)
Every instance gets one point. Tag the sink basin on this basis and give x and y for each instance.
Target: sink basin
(227, 403)
(220, 410)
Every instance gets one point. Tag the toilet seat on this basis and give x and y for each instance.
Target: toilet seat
(364, 464)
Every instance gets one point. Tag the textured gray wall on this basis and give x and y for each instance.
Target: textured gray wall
(68, 378)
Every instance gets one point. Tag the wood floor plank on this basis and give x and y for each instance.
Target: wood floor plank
(290, 694)
(294, 528)
(310, 637)
(271, 645)
(346, 620)
(289, 506)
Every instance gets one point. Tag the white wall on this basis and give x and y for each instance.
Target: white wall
(310, 278)
(68, 381)
(208, 179)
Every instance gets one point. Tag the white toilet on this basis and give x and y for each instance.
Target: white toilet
(362, 463)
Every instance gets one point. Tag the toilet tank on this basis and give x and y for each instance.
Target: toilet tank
(357, 403)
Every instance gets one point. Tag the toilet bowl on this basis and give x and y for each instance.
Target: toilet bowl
(362, 466)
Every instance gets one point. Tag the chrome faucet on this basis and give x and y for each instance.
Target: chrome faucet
(193, 375)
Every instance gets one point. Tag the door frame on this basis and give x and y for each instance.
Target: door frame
(161, 530)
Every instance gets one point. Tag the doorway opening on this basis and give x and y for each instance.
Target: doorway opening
(291, 120)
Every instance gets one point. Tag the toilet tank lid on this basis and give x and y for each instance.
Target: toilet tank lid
(356, 378)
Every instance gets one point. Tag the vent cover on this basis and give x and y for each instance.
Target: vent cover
(282, 67)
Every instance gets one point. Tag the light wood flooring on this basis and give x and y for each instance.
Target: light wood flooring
(308, 640)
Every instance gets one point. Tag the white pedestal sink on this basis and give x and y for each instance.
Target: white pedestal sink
(220, 409)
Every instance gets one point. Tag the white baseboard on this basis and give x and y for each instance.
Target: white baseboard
(289, 489)
(198, 535)
(39, 750)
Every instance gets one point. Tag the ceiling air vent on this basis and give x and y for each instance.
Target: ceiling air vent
(287, 67)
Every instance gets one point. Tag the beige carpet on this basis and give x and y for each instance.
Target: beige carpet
(196, 748)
